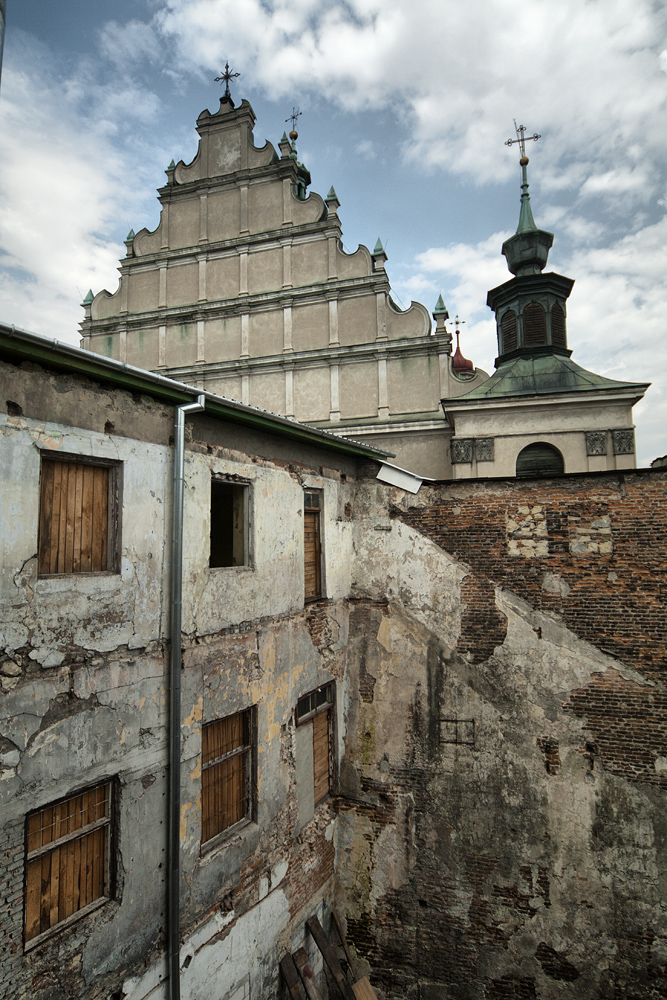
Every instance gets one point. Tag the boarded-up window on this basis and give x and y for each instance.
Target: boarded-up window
(229, 521)
(226, 773)
(315, 709)
(508, 330)
(312, 545)
(78, 528)
(539, 459)
(534, 325)
(67, 859)
(558, 327)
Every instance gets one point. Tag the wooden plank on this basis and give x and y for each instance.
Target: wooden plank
(302, 963)
(62, 521)
(291, 977)
(321, 755)
(363, 989)
(46, 517)
(100, 519)
(87, 519)
(33, 895)
(70, 517)
(78, 516)
(329, 955)
(343, 941)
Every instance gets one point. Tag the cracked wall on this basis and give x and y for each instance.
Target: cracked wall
(502, 832)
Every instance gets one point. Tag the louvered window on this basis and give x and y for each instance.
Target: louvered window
(558, 327)
(315, 709)
(226, 773)
(68, 860)
(78, 517)
(508, 331)
(539, 459)
(534, 325)
(312, 545)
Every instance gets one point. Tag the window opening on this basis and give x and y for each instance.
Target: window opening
(229, 533)
(312, 545)
(316, 708)
(78, 509)
(539, 459)
(508, 329)
(226, 773)
(68, 859)
(558, 327)
(534, 325)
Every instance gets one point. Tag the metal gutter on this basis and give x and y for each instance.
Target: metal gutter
(28, 346)
(174, 797)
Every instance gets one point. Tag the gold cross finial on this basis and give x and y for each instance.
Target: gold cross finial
(521, 138)
(226, 75)
(294, 135)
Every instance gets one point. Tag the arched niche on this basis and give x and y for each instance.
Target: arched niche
(539, 459)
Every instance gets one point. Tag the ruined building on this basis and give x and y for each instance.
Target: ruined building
(251, 673)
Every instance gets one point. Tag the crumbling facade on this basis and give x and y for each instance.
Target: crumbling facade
(458, 739)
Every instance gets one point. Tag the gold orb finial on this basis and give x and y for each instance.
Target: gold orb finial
(524, 161)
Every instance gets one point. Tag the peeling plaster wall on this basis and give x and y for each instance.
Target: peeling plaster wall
(83, 675)
(500, 834)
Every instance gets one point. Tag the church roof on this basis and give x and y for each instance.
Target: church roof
(541, 375)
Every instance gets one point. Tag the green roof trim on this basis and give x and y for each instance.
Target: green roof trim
(541, 375)
(332, 196)
(378, 247)
(172, 166)
(130, 236)
(20, 345)
(89, 298)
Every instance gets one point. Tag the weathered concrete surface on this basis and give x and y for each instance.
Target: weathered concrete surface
(486, 850)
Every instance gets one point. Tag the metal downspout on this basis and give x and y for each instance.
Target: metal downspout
(173, 882)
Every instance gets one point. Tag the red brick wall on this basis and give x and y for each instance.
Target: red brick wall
(593, 551)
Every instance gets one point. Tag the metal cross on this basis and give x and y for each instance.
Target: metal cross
(293, 117)
(225, 77)
(458, 322)
(521, 137)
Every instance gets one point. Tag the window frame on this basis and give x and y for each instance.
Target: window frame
(248, 750)
(106, 823)
(245, 486)
(328, 706)
(114, 507)
(310, 491)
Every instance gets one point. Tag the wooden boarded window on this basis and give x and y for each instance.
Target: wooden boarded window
(67, 860)
(539, 459)
(534, 325)
(228, 524)
(312, 544)
(77, 517)
(316, 708)
(226, 773)
(558, 327)
(508, 329)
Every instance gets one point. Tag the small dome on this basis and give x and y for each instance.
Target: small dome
(459, 363)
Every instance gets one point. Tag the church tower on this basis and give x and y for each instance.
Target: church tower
(540, 413)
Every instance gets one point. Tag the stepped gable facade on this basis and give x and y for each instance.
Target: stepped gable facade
(245, 289)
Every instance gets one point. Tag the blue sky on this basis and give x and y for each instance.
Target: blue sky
(406, 108)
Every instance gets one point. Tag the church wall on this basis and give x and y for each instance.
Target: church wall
(184, 223)
(182, 283)
(357, 320)
(142, 290)
(413, 384)
(180, 344)
(359, 391)
(222, 214)
(310, 326)
(265, 270)
(265, 206)
(312, 392)
(223, 339)
(222, 277)
(266, 333)
(414, 322)
(503, 827)
(310, 262)
(142, 348)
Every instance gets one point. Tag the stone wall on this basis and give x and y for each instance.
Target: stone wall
(503, 832)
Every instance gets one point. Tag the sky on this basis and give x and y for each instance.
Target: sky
(406, 109)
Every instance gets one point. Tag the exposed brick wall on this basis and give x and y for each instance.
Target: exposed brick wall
(11, 908)
(590, 550)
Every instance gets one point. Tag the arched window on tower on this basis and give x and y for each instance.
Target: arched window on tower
(534, 325)
(539, 459)
(508, 331)
(558, 327)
